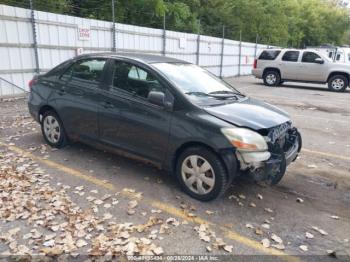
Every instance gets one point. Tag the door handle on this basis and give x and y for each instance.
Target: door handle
(108, 105)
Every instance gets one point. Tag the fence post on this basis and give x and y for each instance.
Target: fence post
(35, 43)
(240, 53)
(164, 36)
(198, 41)
(113, 28)
(222, 50)
(256, 45)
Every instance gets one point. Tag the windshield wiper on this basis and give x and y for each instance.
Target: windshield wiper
(217, 94)
(238, 92)
(224, 94)
(197, 93)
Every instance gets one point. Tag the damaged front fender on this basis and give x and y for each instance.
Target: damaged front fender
(281, 153)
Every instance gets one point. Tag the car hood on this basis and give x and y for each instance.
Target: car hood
(250, 113)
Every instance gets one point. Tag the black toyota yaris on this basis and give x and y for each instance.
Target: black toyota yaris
(168, 112)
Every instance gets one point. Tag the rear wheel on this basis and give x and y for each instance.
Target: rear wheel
(338, 83)
(272, 78)
(53, 130)
(201, 174)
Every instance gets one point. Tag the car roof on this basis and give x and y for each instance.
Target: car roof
(145, 58)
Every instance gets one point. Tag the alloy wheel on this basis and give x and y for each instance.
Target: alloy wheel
(271, 79)
(338, 84)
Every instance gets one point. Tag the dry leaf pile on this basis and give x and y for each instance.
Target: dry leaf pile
(207, 235)
(55, 225)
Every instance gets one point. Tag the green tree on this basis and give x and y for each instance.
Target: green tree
(296, 23)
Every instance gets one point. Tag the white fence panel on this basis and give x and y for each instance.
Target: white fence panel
(58, 40)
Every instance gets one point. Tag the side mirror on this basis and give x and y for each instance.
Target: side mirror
(319, 61)
(157, 98)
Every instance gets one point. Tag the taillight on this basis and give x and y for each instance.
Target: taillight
(31, 83)
(255, 63)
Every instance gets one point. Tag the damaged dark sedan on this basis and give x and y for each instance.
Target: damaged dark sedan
(168, 112)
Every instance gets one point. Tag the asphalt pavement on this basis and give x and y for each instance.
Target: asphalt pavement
(303, 217)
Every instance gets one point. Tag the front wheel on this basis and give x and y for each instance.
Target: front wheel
(201, 174)
(272, 78)
(338, 83)
(53, 130)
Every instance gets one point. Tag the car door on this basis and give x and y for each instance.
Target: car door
(140, 126)
(313, 70)
(290, 65)
(77, 101)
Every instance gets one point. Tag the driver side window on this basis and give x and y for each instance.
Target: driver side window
(309, 57)
(134, 80)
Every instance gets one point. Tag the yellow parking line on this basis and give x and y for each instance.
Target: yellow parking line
(60, 167)
(325, 154)
(228, 233)
(165, 207)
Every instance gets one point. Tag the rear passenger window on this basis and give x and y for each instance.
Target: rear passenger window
(269, 54)
(87, 69)
(57, 71)
(291, 56)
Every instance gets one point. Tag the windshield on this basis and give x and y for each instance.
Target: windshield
(193, 80)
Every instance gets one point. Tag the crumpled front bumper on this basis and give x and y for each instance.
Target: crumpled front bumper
(264, 165)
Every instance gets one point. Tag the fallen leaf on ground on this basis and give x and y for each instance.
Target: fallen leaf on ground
(158, 251)
(300, 200)
(258, 231)
(266, 226)
(98, 202)
(131, 212)
(309, 235)
(52, 251)
(107, 205)
(241, 196)
(276, 238)
(265, 242)
(321, 231)
(228, 248)
(312, 166)
(249, 226)
(132, 204)
(268, 210)
(279, 246)
(304, 248)
(81, 243)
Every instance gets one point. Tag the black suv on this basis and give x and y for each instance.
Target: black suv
(169, 112)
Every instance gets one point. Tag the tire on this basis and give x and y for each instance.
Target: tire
(338, 83)
(272, 78)
(215, 176)
(53, 130)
